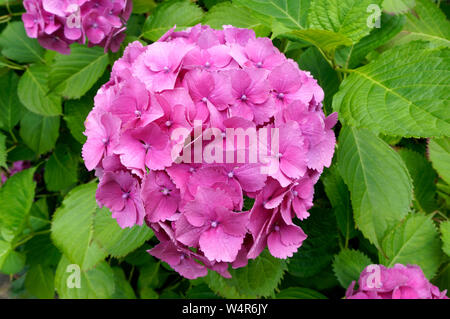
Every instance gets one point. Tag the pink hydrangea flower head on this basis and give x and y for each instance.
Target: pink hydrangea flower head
(398, 282)
(170, 139)
(58, 23)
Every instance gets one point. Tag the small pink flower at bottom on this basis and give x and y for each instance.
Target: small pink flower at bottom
(398, 282)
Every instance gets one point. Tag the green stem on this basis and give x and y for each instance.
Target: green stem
(11, 148)
(20, 243)
(13, 136)
(130, 276)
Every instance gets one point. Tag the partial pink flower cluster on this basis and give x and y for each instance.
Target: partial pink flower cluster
(15, 168)
(58, 23)
(151, 111)
(398, 282)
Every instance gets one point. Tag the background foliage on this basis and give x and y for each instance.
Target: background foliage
(385, 199)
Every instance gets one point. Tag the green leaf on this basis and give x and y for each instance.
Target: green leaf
(40, 250)
(346, 17)
(290, 13)
(61, 169)
(34, 92)
(11, 110)
(348, 265)
(148, 293)
(405, 92)
(318, 249)
(75, 113)
(73, 75)
(11, 262)
(390, 26)
(73, 227)
(398, 6)
(116, 241)
(3, 154)
(445, 235)
(143, 6)
(181, 13)
(39, 215)
(413, 241)
(327, 41)
(39, 132)
(201, 291)
(299, 293)
(423, 177)
(140, 256)
(40, 281)
(258, 279)
(442, 279)
(97, 283)
(149, 276)
(439, 151)
(339, 196)
(427, 22)
(123, 289)
(16, 198)
(378, 181)
(17, 46)
(239, 17)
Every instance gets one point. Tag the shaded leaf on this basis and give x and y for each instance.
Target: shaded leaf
(39, 132)
(11, 109)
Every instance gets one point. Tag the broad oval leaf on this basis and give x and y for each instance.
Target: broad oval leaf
(423, 177)
(183, 13)
(34, 92)
(398, 6)
(439, 151)
(239, 17)
(11, 109)
(325, 40)
(349, 18)
(348, 265)
(339, 197)
(378, 180)
(73, 227)
(61, 169)
(97, 283)
(39, 132)
(316, 252)
(427, 22)
(405, 92)
(73, 75)
(16, 198)
(40, 281)
(17, 46)
(413, 241)
(259, 278)
(116, 241)
(352, 56)
(291, 14)
(445, 235)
